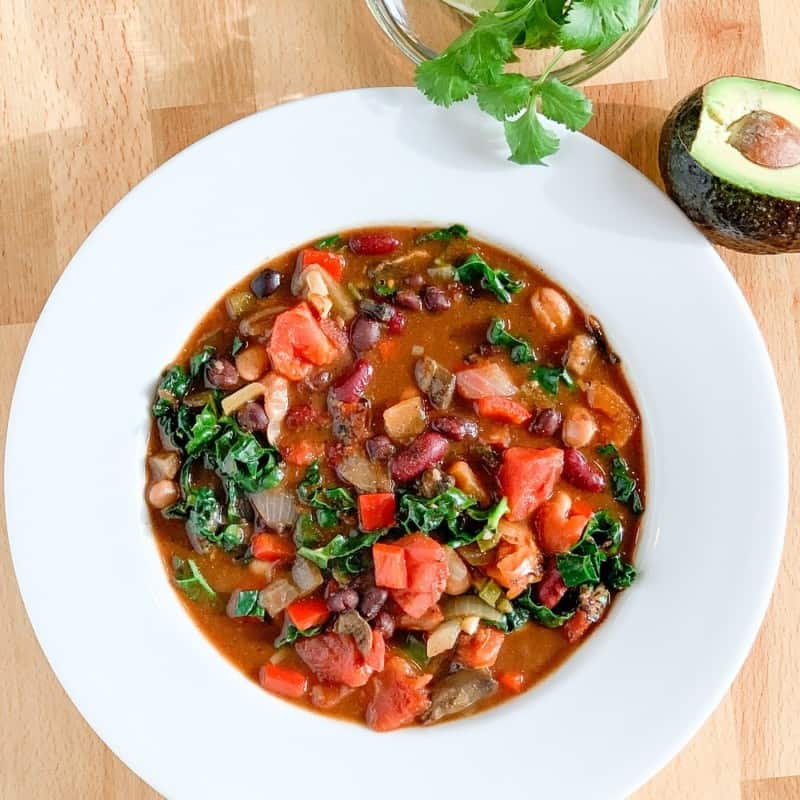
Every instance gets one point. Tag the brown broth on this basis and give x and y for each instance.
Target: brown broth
(446, 337)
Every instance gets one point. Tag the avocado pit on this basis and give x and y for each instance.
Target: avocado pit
(766, 139)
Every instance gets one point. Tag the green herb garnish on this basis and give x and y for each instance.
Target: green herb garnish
(329, 503)
(549, 378)
(199, 360)
(497, 281)
(329, 242)
(246, 605)
(444, 234)
(520, 350)
(623, 484)
(237, 346)
(474, 64)
(339, 547)
(292, 634)
(414, 649)
(526, 609)
(618, 574)
(189, 578)
(426, 514)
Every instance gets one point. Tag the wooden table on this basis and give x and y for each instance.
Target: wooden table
(94, 94)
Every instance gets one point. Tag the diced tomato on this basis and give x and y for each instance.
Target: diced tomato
(271, 547)
(301, 454)
(558, 530)
(399, 696)
(430, 620)
(376, 511)
(502, 409)
(323, 696)
(575, 627)
(334, 659)
(308, 612)
(332, 263)
(426, 565)
(480, 650)
(298, 343)
(282, 680)
(518, 560)
(552, 588)
(580, 508)
(511, 681)
(377, 655)
(528, 477)
(390, 566)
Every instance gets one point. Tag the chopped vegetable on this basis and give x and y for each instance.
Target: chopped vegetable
(528, 477)
(329, 242)
(469, 605)
(277, 596)
(426, 566)
(503, 409)
(459, 691)
(406, 419)
(282, 680)
(481, 650)
(513, 682)
(520, 350)
(497, 281)
(399, 696)
(339, 547)
(490, 380)
(334, 658)
(601, 397)
(308, 613)
(428, 514)
(271, 547)
(443, 638)
(189, 579)
(376, 511)
(390, 566)
(290, 635)
(549, 377)
(559, 528)
(444, 234)
(622, 482)
(276, 507)
(467, 481)
(332, 263)
(244, 603)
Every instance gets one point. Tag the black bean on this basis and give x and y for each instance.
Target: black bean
(342, 600)
(372, 602)
(382, 312)
(435, 299)
(266, 283)
(546, 422)
(221, 373)
(380, 448)
(252, 417)
(364, 333)
(409, 299)
(384, 623)
(458, 428)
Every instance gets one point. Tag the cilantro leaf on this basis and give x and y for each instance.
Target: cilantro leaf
(497, 281)
(443, 80)
(507, 96)
(564, 104)
(596, 24)
(529, 140)
(548, 378)
(456, 231)
(542, 26)
(329, 242)
(520, 349)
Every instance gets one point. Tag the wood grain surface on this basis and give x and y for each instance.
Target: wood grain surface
(94, 94)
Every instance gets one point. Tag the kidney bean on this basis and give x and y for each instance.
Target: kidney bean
(221, 373)
(546, 422)
(380, 448)
(552, 588)
(458, 428)
(373, 244)
(425, 451)
(342, 600)
(372, 602)
(397, 324)
(384, 623)
(415, 281)
(266, 283)
(409, 299)
(352, 386)
(252, 417)
(364, 333)
(435, 299)
(581, 473)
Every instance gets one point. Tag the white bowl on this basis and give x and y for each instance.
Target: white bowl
(127, 654)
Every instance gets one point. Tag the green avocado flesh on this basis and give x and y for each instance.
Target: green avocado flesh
(735, 199)
(727, 100)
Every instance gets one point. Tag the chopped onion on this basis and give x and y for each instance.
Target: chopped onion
(260, 322)
(457, 573)
(468, 605)
(276, 404)
(444, 637)
(306, 576)
(275, 506)
(470, 625)
(445, 273)
(417, 350)
(277, 596)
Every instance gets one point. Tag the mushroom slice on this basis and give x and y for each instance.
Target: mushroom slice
(457, 692)
(351, 623)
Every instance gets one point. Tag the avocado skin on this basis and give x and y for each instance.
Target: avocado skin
(728, 214)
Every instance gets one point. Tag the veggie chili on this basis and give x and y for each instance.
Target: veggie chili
(395, 475)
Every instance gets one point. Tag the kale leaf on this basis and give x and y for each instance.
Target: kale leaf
(520, 350)
(426, 514)
(339, 547)
(623, 484)
(497, 281)
(189, 578)
(444, 234)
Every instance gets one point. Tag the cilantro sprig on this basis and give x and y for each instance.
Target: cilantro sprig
(474, 65)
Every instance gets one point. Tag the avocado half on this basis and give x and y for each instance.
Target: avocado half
(730, 158)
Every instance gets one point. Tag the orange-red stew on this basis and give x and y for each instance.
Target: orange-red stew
(396, 475)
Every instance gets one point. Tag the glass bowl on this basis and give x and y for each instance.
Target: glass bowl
(423, 28)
